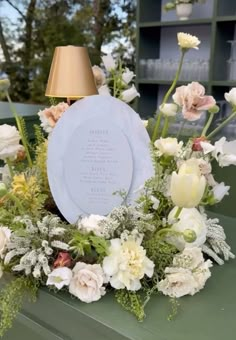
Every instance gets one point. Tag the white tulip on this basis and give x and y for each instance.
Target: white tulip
(220, 190)
(169, 110)
(188, 220)
(188, 186)
(127, 76)
(109, 62)
(128, 95)
(231, 96)
(168, 146)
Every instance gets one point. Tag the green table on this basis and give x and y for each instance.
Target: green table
(209, 315)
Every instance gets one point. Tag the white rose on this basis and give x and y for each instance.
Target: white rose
(87, 282)
(168, 146)
(91, 223)
(128, 95)
(5, 234)
(109, 62)
(188, 186)
(189, 219)
(127, 76)
(178, 282)
(187, 41)
(220, 190)
(104, 90)
(59, 277)
(9, 141)
(99, 76)
(231, 96)
(169, 110)
(127, 264)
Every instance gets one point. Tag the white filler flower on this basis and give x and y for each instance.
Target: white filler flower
(91, 223)
(59, 277)
(127, 264)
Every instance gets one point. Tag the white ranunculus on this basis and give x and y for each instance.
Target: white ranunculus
(127, 264)
(99, 76)
(188, 186)
(109, 62)
(188, 220)
(127, 76)
(169, 109)
(168, 146)
(177, 283)
(59, 277)
(87, 282)
(9, 142)
(187, 41)
(231, 96)
(104, 90)
(187, 275)
(5, 234)
(128, 95)
(91, 223)
(220, 190)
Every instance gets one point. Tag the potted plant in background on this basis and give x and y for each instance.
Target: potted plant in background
(183, 8)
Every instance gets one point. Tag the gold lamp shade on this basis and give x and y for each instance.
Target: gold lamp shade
(71, 74)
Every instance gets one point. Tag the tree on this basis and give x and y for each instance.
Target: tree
(43, 25)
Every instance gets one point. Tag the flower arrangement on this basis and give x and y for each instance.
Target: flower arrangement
(172, 4)
(164, 244)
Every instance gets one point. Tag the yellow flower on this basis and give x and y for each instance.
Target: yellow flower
(187, 41)
(188, 186)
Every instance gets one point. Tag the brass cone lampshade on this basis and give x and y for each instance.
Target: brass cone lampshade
(71, 74)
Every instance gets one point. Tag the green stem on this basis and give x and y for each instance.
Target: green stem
(18, 123)
(232, 116)
(10, 167)
(168, 93)
(165, 127)
(178, 211)
(208, 124)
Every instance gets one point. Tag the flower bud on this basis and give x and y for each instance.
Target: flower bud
(189, 235)
(197, 143)
(214, 109)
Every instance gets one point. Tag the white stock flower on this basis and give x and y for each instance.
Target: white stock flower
(109, 62)
(188, 220)
(127, 76)
(91, 223)
(128, 95)
(220, 190)
(188, 186)
(188, 274)
(87, 282)
(127, 264)
(231, 96)
(5, 234)
(104, 90)
(169, 109)
(168, 146)
(99, 76)
(187, 41)
(9, 142)
(59, 277)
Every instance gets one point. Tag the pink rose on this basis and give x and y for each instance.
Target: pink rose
(193, 101)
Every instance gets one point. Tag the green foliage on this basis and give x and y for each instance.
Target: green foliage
(160, 252)
(11, 300)
(132, 302)
(86, 244)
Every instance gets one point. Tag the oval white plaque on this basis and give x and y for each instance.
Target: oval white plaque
(98, 147)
